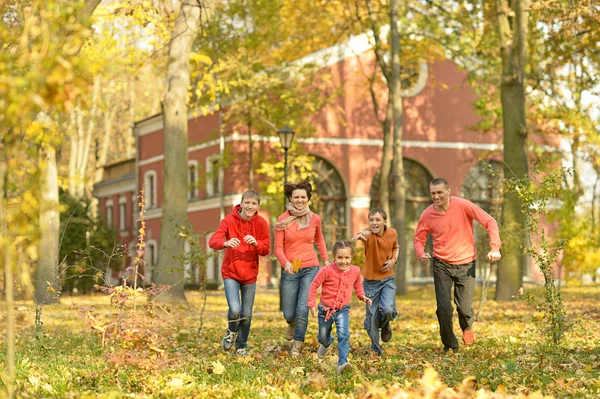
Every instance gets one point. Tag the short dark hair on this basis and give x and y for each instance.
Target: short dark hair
(341, 244)
(289, 188)
(251, 194)
(439, 180)
(379, 211)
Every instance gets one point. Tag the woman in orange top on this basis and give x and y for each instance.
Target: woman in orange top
(381, 254)
(296, 232)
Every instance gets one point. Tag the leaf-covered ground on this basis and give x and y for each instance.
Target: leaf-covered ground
(84, 350)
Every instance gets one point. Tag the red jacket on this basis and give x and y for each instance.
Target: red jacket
(241, 263)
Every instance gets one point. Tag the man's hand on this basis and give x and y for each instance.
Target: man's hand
(233, 243)
(366, 299)
(313, 311)
(425, 258)
(494, 256)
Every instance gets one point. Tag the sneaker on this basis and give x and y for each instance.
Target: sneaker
(228, 340)
(468, 337)
(241, 352)
(322, 352)
(344, 368)
(386, 333)
(289, 333)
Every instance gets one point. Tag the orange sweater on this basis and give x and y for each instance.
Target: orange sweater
(292, 244)
(378, 249)
(453, 238)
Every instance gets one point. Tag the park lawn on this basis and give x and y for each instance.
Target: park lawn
(163, 356)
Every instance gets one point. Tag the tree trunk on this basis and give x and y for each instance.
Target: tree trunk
(46, 284)
(250, 156)
(386, 161)
(175, 181)
(513, 31)
(398, 164)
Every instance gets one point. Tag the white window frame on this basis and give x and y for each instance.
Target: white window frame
(151, 248)
(134, 213)
(193, 190)
(122, 213)
(211, 190)
(212, 264)
(151, 197)
(109, 212)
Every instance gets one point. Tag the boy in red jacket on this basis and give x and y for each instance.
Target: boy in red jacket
(245, 236)
(337, 279)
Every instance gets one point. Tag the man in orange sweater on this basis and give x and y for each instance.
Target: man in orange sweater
(450, 221)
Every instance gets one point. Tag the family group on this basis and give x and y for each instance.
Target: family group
(244, 236)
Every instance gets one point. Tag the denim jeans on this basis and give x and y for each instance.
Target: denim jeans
(382, 311)
(294, 295)
(463, 278)
(341, 318)
(239, 314)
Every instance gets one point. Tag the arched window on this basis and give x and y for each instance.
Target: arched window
(417, 180)
(483, 187)
(150, 183)
(330, 201)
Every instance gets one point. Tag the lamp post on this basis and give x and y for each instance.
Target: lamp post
(286, 136)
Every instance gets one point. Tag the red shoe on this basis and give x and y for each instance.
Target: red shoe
(468, 337)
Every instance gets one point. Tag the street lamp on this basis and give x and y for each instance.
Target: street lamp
(286, 136)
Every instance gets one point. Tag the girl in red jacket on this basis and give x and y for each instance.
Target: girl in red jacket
(245, 236)
(337, 280)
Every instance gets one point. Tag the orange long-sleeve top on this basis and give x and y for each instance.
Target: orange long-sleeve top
(452, 231)
(292, 244)
(378, 249)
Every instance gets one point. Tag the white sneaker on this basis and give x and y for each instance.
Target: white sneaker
(322, 352)
(241, 352)
(228, 340)
(344, 368)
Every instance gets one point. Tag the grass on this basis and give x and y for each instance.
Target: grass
(160, 356)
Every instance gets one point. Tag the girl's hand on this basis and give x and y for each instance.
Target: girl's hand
(233, 243)
(388, 265)
(313, 311)
(250, 240)
(366, 299)
(288, 268)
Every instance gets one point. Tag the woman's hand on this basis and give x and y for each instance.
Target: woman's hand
(288, 268)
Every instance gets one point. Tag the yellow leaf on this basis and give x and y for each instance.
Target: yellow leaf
(216, 368)
(297, 371)
(296, 265)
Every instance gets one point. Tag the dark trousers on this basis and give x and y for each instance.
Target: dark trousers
(463, 278)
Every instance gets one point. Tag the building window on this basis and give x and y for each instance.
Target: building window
(212, 263)
(150, 189)
(109, 213)
(192, 180)
(151, 258)
(122, 213)
(212, 176)
(134, 207)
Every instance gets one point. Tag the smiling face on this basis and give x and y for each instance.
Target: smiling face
(343, 258)
(250, 206)
(299, 199)
(377, 223)
(440, 195)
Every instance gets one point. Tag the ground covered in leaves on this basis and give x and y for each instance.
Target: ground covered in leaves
(85, 348)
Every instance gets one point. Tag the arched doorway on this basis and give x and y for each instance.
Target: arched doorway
(417, 200)
(330, 201)
(483, 187)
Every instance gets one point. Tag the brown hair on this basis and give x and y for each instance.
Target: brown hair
(379, 211)
(289, 188)
(439, 180)
(250, 194)
(341, 245)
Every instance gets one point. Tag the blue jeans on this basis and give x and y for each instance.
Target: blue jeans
(239, 314)
(382, 311)
(342, 322)
(294, 295)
